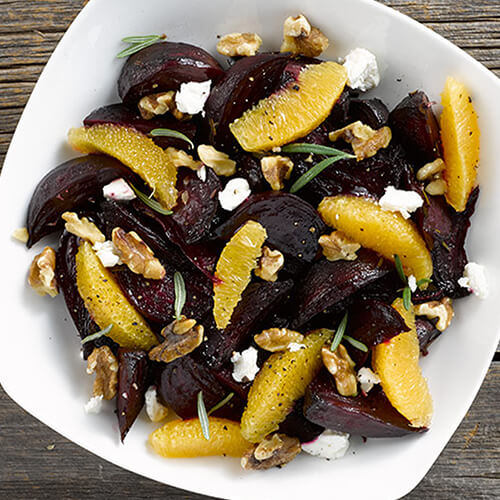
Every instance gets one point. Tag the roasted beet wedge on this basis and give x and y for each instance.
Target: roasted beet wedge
(368, 416)
(427, 334)
(293, 226)
(372, 112)
(120, 114)
(73, 185)
(339, 116)
(164, 66)
(414, 124)
(246, 82)
(328, 283)
(298, 426)
(132, 384)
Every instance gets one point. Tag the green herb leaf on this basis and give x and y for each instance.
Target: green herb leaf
(423, 281)
(356, 343)
(203, 417)
(138, 43)
(100, 333)
(399, 269)
(407, 298)
(339, 333)
(166, 132)
(140, 38)
(314, 171)
(150, 202)
(317, 149)
(180, 294)
(221, 403)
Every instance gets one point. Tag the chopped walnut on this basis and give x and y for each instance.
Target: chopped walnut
(337, 246)
(181, 159)
(104, 364)
(217, 160)
(436, 187)
(365, 141)
(432, 172)
(159, 104)
(270, 263)
(341, 366)
(181, 337)
(443, 310)
(21, 234)
(275, 450)
(83, 228)
(42, 277)
(277, 339)
(300, 38)
(276, 169)
(296, 26)
(239, 44)
(138, 257)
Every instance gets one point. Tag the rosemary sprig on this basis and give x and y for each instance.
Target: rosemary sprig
(138, 43)
(399, 269)
(317, 149)
(339, 333)
(180, 294)
(150, 202)
(356, 343)
(407, 298)
(423, 281)
(221, 403)
(166, 132)
(96, 335)
(203, 417)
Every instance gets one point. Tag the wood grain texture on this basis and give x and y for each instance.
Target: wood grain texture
(30, 468)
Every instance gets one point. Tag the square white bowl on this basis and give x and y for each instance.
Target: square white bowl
(40, 366)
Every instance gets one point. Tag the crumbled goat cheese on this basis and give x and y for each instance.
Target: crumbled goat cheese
(398, 200)
(329, 444)
(94, 404)
(154, 409)
(237, 190)
(295, 346)
(367, 379)
(474, 279)
(118, 190)
(412, 283)
(245, 365)
(362, 70)
(192, 96)
(202, 173)
(108, 253)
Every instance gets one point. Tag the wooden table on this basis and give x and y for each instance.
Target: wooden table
(35, 462)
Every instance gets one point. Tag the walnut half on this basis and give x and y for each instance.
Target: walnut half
(239, 44)
(337, 246)
(159, 104)
(299, 37)
(275, 450)
(442, 310)
(276, 169)
(270, 263)
(216, 160)
(104, 364)
(82, 228)
(341, 366)
(277, 339)
(42, 277)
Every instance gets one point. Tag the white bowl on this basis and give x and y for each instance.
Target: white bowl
(40, 366)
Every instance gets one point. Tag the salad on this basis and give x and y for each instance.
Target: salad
(259, 254)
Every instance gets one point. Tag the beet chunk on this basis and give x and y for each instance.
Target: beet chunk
(296, 425)
(369, 416)
(427, 333)
(372, 112)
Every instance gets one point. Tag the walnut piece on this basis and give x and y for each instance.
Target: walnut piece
(21, 234)
(181, 159)
(341, 366)
(181, 337)
(270, 263)
(159, 104)
(275, 170)
(436, 187)
(300, 38)
(337, 246)
(82, 228)
(239, 44)
(138, 257)
(42, 277)
(217, 160)
(296, 26)
(443, 310)
(433, 172)
(104, 364)
(275, 450)
(277, 339)
(365, 141)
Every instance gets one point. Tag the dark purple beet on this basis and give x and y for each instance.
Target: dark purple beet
(427, 333)
(368, 416)
(249, 168)
(293, 226)
(297, 425)
(164, 66)
(328, 283)
(246, 82)
(71, 186)
(120, 114)
(414, 125)
(339, 116)
(132, 384)
(372, 112)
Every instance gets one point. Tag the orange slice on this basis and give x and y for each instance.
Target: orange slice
(292, 112)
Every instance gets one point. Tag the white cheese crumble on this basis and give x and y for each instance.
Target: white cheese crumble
(192, 96)
(474, 279)
(398, 200)
(362, 70)
(118, 190)
(412, 283)
(237, 190)
(94, 405)
(108, 253)
(329, 444)
(202, 173)
(154, 409)
(367, 379)
(245, 365)
(295, 346)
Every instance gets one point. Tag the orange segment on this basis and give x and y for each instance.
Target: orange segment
(460, 138)
(396, 363)
(107, 304)
(388, 233)
(133, 149)
(292, 112)
(234, 268)
(184, 439)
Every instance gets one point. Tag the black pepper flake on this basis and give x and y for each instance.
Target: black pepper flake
(296, 87)
(270, 138)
